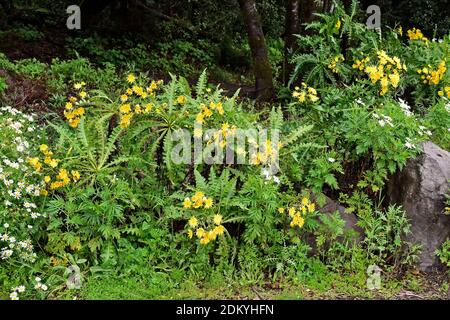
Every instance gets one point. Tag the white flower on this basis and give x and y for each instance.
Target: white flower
(21, 288)
(405, 107)
(409, 144)
(276, 179)
(14, 296)
(6, 225)
(331, 160)
(44, 287)
(381, 122)
(37, 279)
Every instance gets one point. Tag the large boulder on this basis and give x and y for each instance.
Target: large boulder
(420, 188)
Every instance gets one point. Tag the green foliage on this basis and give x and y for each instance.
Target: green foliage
(385, 231)
(444, 253)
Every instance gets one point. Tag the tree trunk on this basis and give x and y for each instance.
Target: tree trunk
(308, 8)
(261, 65)
(290, 43)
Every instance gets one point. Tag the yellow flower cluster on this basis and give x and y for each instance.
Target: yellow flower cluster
(267, 155)
(203, 234)
(305, 94)
(333, 64)
(220, 136)
(446, 91)
(127, 110)
(386, 72)
(71, 113)
(207, 112)
(198, 200)
(298, 215)
(416, 34)
(433, 77)
(63, 176)
(62, 179)
(48, 160)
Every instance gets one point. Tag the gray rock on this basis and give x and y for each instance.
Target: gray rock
(420, 188)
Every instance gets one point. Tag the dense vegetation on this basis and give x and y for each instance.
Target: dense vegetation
(93, 205)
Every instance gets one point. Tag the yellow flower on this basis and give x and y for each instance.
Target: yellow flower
(77, 86)
(198, 196)
(181, 99)
(43, 148)
(311, 207)
(200, 232)
(79, 111)
(193, 222)
(74, 122)
(338, 24)
(83, 94)
(148, 107)
(123, 97)
(69, 105)
(125, 108)
(281, 210)
(219, 230)
(305, 201)
(138, 90)
(204, 240)
(217, 219)
(199, 118)
(208, 203)
(395, 78)
(47, 179)
(75, 175)
(44, 193)
(53, 163)
(291, 212)
(187, 203)
(219, 108)
(131, 78)
(190, 233)
(125, 120)
(137, 109)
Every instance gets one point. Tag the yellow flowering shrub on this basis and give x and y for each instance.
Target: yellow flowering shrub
(416, 34)
(198, 200)
(297, 215)
(333, 65)
(444, 92)
(433, 76)
(139, 99)
(60, 179)
(385, 70)
(305, 94)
